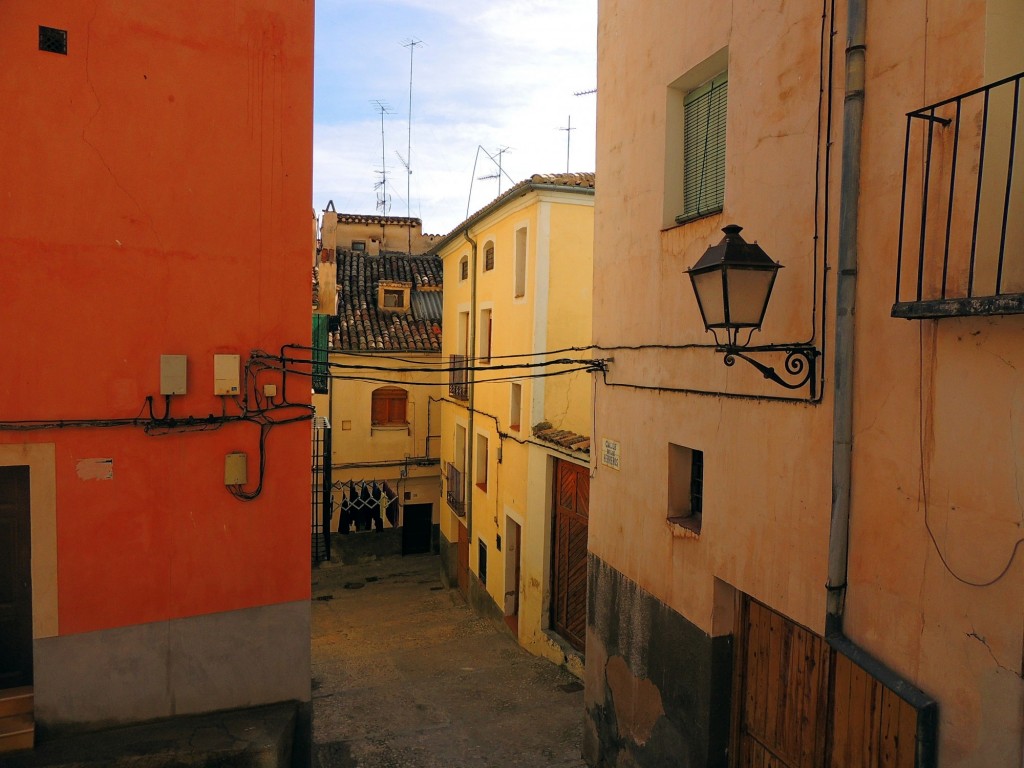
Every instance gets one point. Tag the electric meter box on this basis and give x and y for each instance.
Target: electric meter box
(236, 469)
(173, 374)
(226, 374)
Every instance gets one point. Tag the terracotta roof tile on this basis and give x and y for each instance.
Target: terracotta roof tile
(362, 326)
(562, 437)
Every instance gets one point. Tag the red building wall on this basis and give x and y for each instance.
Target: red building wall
(155, 199)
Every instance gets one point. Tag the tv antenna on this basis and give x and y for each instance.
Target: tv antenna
(568, 141)
(497, 163)
(497, 174)
(411, 44)
(383, 201)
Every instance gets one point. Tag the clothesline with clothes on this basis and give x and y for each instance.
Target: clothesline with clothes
(365, 504)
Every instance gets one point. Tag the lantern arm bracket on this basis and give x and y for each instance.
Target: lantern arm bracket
(800, 364)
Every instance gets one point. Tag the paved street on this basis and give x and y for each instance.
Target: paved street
(405, 674)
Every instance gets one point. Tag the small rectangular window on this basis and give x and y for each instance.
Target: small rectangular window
(482, 561)
(484, 337)
(480, 475)
(704, 124)
(489, 257)
(520, 289)
(358, 245)
(685, 486)
(515, 407)
(464, 268)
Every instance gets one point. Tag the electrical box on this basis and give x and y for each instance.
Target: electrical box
(173, 374)
(226, 374)
(270, 390)
(235, 469)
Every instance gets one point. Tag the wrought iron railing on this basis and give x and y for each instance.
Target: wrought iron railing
(961, 237)
(458, 377)
(455, 489)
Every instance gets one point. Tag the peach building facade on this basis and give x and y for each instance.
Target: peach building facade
(833, 573)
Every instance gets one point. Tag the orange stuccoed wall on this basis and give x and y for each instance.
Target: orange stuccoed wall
(155, 199)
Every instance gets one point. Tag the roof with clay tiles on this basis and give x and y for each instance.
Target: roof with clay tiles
(363, 326)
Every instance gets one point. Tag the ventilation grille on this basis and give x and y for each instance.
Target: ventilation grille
(53, 40)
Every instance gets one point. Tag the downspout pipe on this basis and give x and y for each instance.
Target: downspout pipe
(470, 382)
(846, 295)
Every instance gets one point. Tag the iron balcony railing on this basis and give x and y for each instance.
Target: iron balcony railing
(961, 236)
(458, 377)
(455, 489)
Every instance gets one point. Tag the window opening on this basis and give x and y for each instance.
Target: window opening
(704, 124)
(389, 407)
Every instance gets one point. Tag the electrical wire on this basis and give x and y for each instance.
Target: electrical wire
(923, 488)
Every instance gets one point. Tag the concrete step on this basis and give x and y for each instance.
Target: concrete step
(16, 701)
(17, 732)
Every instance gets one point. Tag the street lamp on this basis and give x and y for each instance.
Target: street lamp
(733, 283)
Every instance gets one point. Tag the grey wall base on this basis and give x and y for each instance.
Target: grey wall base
(219, 661)
(657, 687)
(449, 553)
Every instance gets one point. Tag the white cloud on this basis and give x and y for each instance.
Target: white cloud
(500, 74)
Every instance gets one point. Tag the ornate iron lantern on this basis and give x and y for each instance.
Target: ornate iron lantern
(733, 284)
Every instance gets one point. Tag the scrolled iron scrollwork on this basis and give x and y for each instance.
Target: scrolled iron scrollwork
(799, 364)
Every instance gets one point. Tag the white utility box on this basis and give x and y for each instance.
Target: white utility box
(173, 374)
(225, 374)
(236, 469)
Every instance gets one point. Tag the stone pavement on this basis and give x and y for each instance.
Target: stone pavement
(405, 674)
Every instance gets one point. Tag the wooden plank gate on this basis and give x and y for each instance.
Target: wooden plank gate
(569, 574)
(798, 702)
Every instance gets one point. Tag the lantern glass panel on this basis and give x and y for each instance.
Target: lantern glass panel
(748, 291)
(708, 287)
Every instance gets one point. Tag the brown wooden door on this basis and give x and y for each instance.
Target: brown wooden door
(463, 567)
(569, 574)
(15, 578)
(780, 692)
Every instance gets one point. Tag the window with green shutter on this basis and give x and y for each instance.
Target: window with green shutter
(321, 324)
(704, 111)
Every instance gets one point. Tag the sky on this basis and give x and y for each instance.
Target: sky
(489, 73)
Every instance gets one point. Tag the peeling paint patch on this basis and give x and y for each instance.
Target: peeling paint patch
(637, 701)
(95, 469)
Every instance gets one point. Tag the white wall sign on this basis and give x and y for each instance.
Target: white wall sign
(611, 452)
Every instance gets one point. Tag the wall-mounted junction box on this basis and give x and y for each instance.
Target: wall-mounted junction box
(225, 374)
(235, 469)
(173, 374)
(270, 390)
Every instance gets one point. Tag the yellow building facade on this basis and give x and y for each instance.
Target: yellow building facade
(381, 399)
(518, 412)
(819, 561)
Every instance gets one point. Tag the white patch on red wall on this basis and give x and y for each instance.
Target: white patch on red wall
(95, 469)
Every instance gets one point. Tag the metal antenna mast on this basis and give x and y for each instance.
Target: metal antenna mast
(382, 185)
(568, 142)
(411, 45)
(497, 174)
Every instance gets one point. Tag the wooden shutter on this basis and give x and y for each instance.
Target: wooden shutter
(321, 323)
(704, 114)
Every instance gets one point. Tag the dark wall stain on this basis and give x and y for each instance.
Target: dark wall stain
(647, 645)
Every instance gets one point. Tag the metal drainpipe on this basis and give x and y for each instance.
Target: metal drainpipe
(470, 381)
(846, 285)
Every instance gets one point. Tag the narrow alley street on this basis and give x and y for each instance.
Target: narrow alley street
(405, 674)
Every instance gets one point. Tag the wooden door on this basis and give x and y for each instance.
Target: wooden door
(15, 578)
(780, 692)
(462, 573)
(569, 574)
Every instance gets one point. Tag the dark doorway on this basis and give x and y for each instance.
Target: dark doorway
(416, 527)
(15, 579)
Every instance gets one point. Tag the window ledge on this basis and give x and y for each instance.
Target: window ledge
(686, 218)
(389, 427)
(684, 527)
(1008, 304)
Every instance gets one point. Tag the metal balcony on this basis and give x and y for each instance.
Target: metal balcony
(458, 377)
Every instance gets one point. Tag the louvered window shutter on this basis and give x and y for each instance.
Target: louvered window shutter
(321, 324)
(704, 113)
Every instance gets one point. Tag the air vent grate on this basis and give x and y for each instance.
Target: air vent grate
(53, 40)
